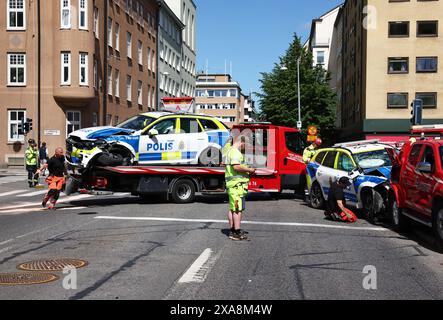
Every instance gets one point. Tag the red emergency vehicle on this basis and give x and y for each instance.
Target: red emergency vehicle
(417, 181)
(275, 151)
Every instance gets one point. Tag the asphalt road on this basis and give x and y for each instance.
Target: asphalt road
(157, 250)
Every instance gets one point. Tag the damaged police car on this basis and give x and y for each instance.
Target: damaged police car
(367, 163)
(155, 138)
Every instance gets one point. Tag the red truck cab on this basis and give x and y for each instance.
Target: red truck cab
(281, 150)
(417, 183)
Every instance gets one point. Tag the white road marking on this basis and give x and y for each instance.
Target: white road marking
(36, 193)
(10, 193)
(5, 249)
(72, 208)
(199, 270)
(290, 224)
(5, 242)
(10, 179)
(66, 199)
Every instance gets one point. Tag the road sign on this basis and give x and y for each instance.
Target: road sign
(312, 131)
(312, 138)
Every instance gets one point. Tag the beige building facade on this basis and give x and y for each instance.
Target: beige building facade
(219, 96)
(391, 54)
(97, 62)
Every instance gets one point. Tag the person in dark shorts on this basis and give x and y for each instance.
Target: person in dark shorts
(336, 205)
(56, 179)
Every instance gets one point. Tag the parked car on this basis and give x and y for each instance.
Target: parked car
(417, 186)
(155, 138)
(367, 163)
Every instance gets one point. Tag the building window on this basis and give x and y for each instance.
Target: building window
(83, 76)
(116, 120)
(95, 74)
(320, 58)
(66, 68)
(140, 52)
(109, 32)
(96, 30)
(129, 88)
(16, 69)
(83, 17)
(140, 93)
(16, 15)
(429, 99)
(153, 63)
(117, 83)
(149, 59)
(109, 120)
(15, 117)
(427, 28)
(110, 80)
(94, 119)
(73, 121)
(427, 64)
(398, 29)
(65, 14)
(398, 65)
(129, 45)
(397, 100)
(117, 37)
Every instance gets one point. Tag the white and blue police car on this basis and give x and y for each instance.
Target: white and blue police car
(154, 138)
(368, 165)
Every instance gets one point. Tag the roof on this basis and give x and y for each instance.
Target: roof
(161, 114)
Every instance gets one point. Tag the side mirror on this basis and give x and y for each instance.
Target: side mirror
(153, 133)
(425, 167)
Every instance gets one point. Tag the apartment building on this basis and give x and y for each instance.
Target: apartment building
(391, 54)
(170, 52)
(186, 11)
(96, 66)
(320, 37)
(219, 96)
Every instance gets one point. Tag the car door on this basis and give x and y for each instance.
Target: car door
(345, 165)
(192, 140)
(326, 173)
(425, 182)
(162, 148)
(291, 161)
(408, 177)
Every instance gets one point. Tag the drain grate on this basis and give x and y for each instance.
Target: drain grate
(26, 278)
(52, 264)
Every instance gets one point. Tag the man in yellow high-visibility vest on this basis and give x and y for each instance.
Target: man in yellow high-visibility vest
(31, 158)
(237, 177)
(310, 151)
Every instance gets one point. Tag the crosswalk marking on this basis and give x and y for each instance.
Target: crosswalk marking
(10, 193)
(11, 179)
(36, 193)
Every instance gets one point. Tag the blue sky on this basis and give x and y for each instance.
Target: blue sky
(251, 33)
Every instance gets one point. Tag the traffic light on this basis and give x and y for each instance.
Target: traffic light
(417, 112)
(29, 121)
(26, 127)
(21, 126)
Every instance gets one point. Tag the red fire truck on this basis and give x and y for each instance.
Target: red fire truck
(275, 151)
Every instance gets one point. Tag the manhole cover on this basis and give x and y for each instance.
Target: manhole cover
(25, 278)
(52, 265)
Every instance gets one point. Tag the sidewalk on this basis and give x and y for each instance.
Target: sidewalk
(13, 171)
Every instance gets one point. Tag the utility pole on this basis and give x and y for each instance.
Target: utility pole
(299, 123)
(39, 78)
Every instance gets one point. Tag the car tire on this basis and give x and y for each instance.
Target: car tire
(368, 207)
(399, 221)
(316, 199)
(109, 160)
(210, 157)
(437, 226)
(183, 191)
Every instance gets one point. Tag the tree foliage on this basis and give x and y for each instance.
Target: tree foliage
(279, 97)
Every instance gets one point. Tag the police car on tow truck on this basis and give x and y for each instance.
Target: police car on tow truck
(367, 163)
(154, 138)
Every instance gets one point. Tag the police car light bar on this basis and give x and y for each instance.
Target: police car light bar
(433, 127)
(356, 143)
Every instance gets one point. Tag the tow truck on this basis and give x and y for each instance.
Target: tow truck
(417, 181)
(275, 151)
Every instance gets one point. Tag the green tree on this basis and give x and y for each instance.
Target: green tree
(279, 97)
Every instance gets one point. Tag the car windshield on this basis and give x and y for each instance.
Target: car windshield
(373, 159)
(136, 123)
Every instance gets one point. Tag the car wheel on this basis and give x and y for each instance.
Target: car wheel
(399, 221)
(109, 160)
(438, 227)
(368, 207)
(183, 191)
(211, 157)
(317, 200)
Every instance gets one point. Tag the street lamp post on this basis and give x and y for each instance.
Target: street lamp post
(299, 122)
